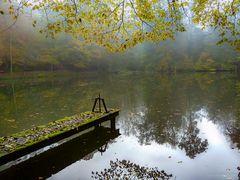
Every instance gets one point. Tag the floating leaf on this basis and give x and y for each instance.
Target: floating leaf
(11, 120)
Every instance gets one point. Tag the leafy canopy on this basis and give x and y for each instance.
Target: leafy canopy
(121, 24)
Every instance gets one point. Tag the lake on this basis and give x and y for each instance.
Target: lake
(187, 124)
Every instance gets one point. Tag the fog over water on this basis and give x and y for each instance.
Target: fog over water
(171, 67)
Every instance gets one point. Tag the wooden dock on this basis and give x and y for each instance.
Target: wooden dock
(83, 146)
(20, 144)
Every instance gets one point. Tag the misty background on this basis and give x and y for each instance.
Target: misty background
(23, 48)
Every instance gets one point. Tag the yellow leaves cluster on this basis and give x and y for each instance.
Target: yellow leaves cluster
(121, 24)
(222, 16)
(116, 25)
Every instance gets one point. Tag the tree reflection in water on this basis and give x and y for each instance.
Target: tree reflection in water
(191, 143)
(238, 168)
(233, 133)
(128, 170)
(181, 132)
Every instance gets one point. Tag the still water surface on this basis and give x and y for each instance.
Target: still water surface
(186, 124)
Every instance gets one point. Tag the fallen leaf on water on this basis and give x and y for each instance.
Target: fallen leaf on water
(11, 120)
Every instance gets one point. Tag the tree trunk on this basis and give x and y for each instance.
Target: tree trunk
(10, 53)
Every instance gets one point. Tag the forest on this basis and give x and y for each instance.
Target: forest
(34, 37)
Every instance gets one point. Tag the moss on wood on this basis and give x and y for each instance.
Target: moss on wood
(37, 134)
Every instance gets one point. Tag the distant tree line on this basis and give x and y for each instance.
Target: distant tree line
(23, 48)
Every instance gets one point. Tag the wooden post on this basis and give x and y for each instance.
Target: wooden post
(10, 53)
(97, 126)
(99, 100)
(113, 124)
(105, 107)
(94, 105)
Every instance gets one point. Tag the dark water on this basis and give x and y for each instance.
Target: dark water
(186, 124)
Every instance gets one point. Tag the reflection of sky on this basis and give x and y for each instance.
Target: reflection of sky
(218, 162)
(212, 133)
(145, 107)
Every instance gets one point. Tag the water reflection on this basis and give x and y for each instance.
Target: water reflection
(56, 159)
(189, 118)
(31, 102)
(127, 170)
(238, 168)
(163, 115)
(186, 137)
(190, 142)
(234, 134)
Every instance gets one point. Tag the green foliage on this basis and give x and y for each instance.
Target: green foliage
(127, 25)
(221, 15)
(119, 25)
(205, 63)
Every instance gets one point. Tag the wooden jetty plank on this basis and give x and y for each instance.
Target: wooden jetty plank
(20, 144)
(61, 156)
